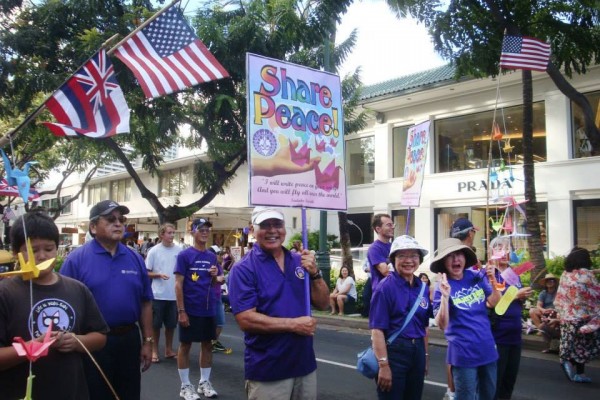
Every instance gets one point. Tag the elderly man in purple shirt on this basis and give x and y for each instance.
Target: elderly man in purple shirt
(267, 298)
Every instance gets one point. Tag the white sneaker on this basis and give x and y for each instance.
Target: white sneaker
(448, 395)
(187, 392)
(206, 389)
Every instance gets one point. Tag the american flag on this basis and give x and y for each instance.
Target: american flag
(166, 56)
(522, 52)
(90, 103)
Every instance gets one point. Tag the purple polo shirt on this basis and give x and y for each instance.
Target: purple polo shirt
(469, 335)
(507, 328)
(378, 253)
(258, 282)
(391, 303)
(119, 283)
(199, 295)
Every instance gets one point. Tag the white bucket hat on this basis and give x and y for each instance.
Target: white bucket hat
(406, 242)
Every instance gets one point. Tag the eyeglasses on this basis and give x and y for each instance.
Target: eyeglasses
(271, 225)
(111, 219)
(403, 257)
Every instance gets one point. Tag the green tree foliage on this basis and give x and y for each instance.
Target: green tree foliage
(43, 44)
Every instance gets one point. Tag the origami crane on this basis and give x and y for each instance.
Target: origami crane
(320, 146)
(18, 178)
(301, 156)
(329, 178)
(496, 132)
(29, 269)
(34, 349)
(332, 142)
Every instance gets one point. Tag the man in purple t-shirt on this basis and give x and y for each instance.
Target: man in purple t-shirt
(380, 249)
(196, 272)
(266, 292)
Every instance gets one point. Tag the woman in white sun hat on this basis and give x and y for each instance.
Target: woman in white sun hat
(401, 303)
(459, 303)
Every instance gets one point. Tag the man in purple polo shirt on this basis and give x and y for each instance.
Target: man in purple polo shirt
(267, 298)
(380, 249)
(196, 273)
(118, 279)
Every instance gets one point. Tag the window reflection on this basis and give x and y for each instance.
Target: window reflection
(399, 136)
(581, 143)
(463, 142)
(360, 160)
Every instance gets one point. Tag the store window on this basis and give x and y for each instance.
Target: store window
(463, 142)
(175, 182)
(587, 223)
(581, 143)
(360, 160)
(120, 190)
(401, 218)
(399, 136)
(500, 221)
(97, 193)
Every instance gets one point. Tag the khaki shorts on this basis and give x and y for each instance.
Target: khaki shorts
(301, 388)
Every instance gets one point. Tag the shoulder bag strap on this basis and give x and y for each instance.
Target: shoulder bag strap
(410, 314)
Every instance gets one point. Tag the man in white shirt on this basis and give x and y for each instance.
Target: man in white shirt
(160, 263)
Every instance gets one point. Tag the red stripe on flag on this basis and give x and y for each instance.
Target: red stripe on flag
(213, 61)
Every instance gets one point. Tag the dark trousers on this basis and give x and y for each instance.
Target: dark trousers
(120, 362)
(508, 368)
(407, 362)
(366, 297)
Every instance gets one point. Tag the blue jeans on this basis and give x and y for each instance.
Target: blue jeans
(407, 362)
(477, 383)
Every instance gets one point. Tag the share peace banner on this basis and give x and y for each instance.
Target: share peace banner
(414, 165)
(295, 135)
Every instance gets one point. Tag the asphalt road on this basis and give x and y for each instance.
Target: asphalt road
(540, 376)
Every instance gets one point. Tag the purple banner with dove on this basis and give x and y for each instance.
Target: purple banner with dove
(295, 135)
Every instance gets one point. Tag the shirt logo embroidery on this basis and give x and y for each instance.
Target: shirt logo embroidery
(299, 272)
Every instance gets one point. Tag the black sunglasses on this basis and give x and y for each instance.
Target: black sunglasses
(112, 218)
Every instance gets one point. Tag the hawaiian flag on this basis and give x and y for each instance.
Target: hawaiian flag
(90, 103)
(522, 52)
(166, 56)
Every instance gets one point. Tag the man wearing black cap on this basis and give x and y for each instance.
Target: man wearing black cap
(118, 279)
(464, 230)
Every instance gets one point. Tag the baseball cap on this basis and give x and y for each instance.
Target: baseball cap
(460, 226)
(200, 222)
(261, 214)
(105, 207)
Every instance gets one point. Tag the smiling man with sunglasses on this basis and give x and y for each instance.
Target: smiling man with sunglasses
(118, 279)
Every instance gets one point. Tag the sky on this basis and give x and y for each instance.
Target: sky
(387, 47)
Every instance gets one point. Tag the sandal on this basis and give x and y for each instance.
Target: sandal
(581, 379)
(568, 370)
(546, 351)
(155, 359)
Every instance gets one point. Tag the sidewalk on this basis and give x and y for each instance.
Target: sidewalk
(532, 344)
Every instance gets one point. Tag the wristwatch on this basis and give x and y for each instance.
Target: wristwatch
(316, 276)
(148, 339)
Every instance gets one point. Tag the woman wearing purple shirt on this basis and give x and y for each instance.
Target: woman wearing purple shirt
(460, 307)
(402, 363)
(507, 328)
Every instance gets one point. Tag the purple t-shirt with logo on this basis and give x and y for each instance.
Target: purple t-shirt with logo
(378, 253)
(257, 282)
(198, 294)
(507, 328)
(391, 303)
(119, 283)
(469, 335)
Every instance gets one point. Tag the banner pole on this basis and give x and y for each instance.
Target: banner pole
(306, 277)
(407, 221)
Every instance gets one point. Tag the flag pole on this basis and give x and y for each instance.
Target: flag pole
(306, 277)
(139, 28)
(4, 140)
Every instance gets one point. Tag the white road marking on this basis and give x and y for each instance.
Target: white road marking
(354, 367)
